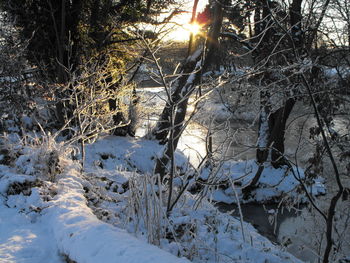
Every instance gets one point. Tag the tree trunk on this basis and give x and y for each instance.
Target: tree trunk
(133, 113)
(257, 19)
(61, 76)
(177, 113)
(272, 125)
(176, 109)
(278, 121)
(66, 36)
(212, 59)
(161, 130)
(191, 43)
(118, 119)
(264, 127)
(61, 44)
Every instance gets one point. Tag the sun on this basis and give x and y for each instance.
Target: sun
(193, 28)
(182, 33)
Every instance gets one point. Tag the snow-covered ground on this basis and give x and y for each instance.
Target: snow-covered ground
(25, 236)
(43, 221)
(108, 211)
(112, 208)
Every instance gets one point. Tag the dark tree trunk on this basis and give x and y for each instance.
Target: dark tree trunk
(118, 119)
(273, 144)
(265, 127)
(161, 130)
(257, 19)
(66, 27)
(61, 76)
(278, 121)
(212, 59)
(177, 113)
(263, 50)
(61, 42)
(60, 113)
(191, 44)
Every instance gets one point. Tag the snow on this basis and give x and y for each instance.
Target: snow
(334, 72)
(126, 153)
(66, 225)
(191, 144)
(195, 55)
(8, 176)
(87, 215)
(25, 238)
(273, 184)
(84, 238)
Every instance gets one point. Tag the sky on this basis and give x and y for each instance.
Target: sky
(181, 31)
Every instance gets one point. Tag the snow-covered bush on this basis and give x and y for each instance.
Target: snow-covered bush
(195, 230)
(39, 156)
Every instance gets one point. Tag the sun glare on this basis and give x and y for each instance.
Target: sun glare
(193, 28)
(183, 28)
(183, 33)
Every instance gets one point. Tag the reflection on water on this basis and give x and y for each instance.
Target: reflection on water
(294, 229)
(266, 219)
(300, 235)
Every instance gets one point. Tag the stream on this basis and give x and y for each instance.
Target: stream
(275, 223)
(300, 231)
(259, 216)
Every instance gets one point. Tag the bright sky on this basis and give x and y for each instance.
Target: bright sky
(183, 30)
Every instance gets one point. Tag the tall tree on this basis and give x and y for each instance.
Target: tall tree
(171, 123)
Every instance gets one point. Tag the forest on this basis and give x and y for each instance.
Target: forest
(168, 131)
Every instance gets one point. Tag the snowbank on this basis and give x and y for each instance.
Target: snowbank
(129, 154)
(84, 238)
(63, 217)
(273, 183)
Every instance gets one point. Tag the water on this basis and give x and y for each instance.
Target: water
(281, 226)
(301, 231)
(266, 219)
